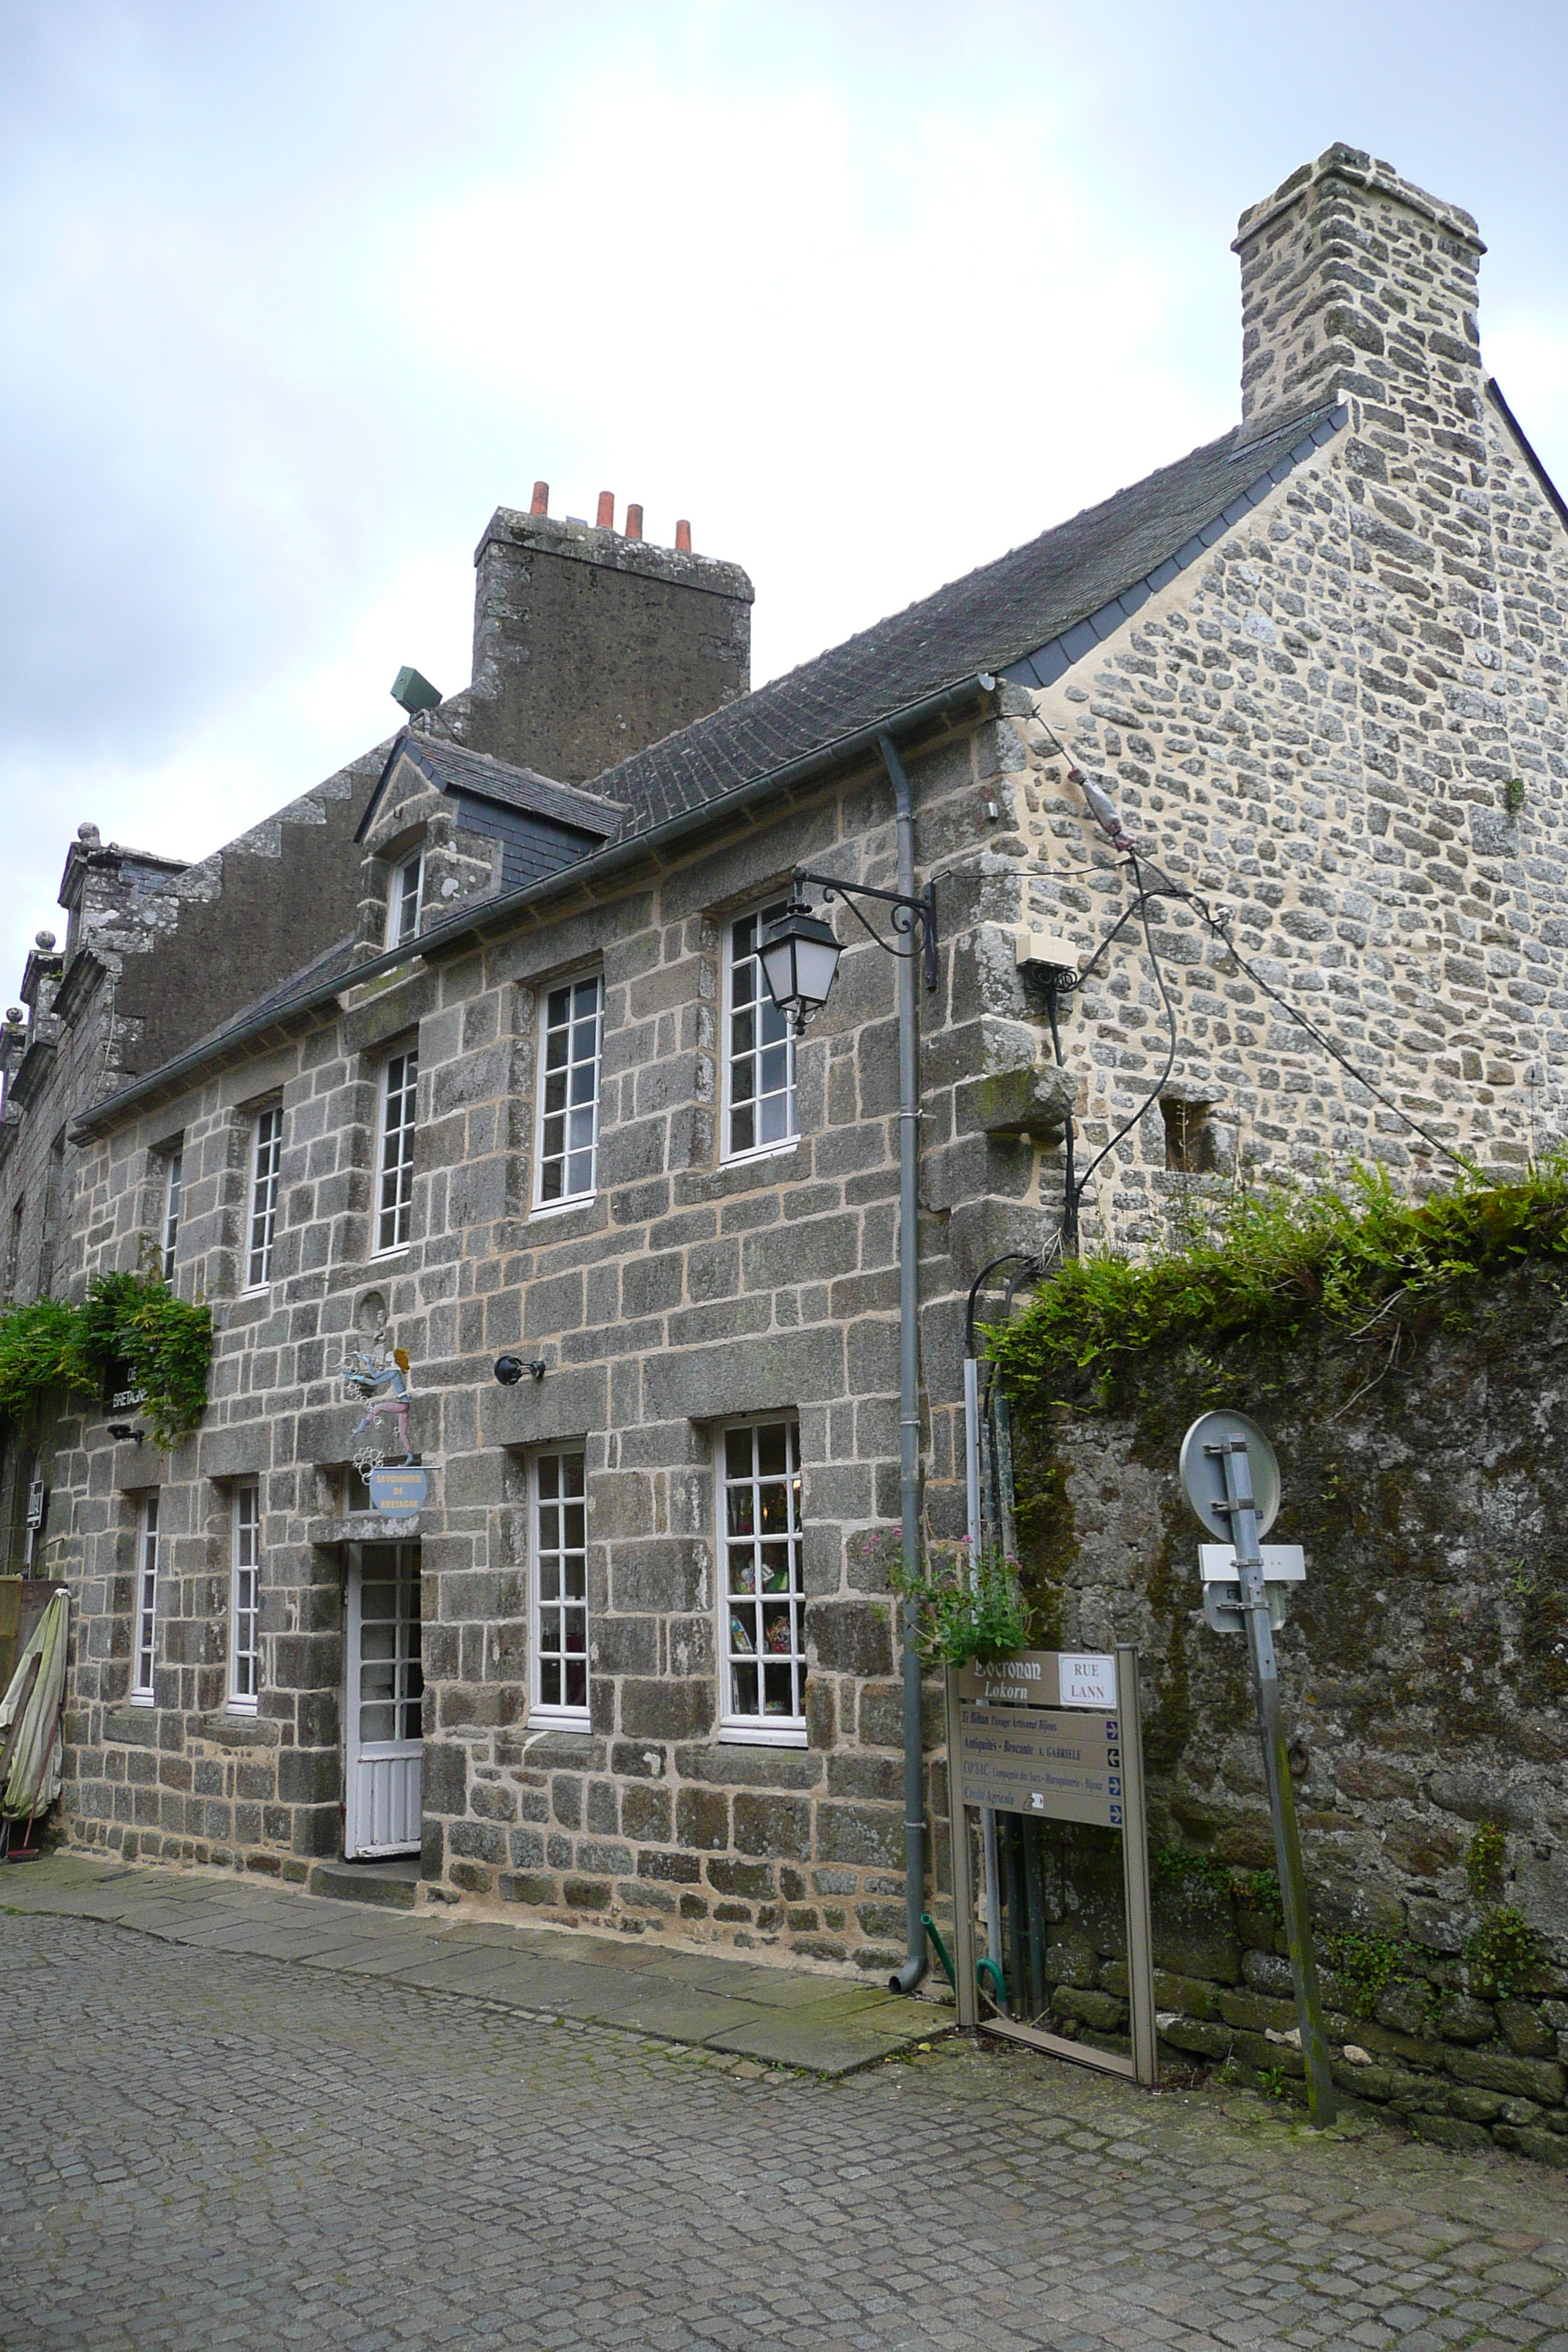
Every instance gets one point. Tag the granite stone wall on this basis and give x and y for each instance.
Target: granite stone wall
(1347, 722)
(1349, 727)
(1424, 1669)
(689, 1291)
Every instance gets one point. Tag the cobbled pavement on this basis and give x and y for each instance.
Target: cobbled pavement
(200, 2150)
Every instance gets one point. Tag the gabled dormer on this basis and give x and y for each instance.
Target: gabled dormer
(447, 825)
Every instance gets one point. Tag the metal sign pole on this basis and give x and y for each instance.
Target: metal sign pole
(1236, 1467)
(1135, 1870)
(963, 1879)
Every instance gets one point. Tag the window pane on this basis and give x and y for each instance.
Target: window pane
(559, 1583)
(145, 1625)
(267, 1154)
(400, 1085)
(572, 1047)
(763, 1560)
(245, 1602)
(760, 1048)
(173, 1184)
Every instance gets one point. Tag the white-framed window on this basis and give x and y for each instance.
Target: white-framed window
(761, 1644)
(758, 1046)
(406, 901)
(571, 1039)
(174, 1180)
(245, 1602)
(266, 1160)
(394, 1188)
(558, 1519)
(144, 1620)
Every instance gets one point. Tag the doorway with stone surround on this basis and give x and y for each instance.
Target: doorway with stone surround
(382, 1702)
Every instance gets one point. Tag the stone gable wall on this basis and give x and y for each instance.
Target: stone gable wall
(1354, 735)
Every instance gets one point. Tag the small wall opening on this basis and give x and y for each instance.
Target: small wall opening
(1190, 1145)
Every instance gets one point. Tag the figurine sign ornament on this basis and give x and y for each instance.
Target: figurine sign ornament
(1232, 1480)
(368, 1378)
(378, 1379)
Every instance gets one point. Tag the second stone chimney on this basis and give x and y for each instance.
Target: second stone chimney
(1354, 278)
(590, 643)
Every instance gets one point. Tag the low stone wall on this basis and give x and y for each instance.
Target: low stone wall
(1423, 1670)
(1421, 2037)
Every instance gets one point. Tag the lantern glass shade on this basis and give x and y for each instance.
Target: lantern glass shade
(799, 956)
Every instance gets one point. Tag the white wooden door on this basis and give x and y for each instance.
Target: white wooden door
(382, 1713)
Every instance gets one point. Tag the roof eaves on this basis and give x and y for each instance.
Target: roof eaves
(1047, 663)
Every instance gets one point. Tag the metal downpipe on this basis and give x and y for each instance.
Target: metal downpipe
(915, 1961)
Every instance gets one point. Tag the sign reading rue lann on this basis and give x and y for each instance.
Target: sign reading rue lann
(1058, 1767)
(1041, 1678)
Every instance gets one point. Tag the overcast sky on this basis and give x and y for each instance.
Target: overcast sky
(292, 296)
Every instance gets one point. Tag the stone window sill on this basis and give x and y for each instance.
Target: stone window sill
(543, 1211)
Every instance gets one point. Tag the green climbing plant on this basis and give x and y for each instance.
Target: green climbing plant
(1504, 1952)
(1283, 1259)
(1187, 1867)
(1369, 1963)
(964, 1610)
(131, 1321)
(1484, 1862)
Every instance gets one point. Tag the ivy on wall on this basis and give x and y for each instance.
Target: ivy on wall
(129, 1323)
(1283, 1261)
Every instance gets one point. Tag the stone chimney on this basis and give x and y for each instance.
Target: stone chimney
(1352, 279)
(590, 643)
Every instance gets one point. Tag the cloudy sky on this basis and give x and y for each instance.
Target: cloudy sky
(291, 297)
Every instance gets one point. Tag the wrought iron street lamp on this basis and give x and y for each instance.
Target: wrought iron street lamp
(800, 952)
(799, 957)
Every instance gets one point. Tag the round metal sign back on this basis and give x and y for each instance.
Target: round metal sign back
(1202, 1475)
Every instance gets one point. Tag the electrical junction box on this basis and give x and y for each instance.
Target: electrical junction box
(1046, 950)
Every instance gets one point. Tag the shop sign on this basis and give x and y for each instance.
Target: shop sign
(399, 1491)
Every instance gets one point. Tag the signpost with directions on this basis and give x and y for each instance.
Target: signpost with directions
(1053, 1736)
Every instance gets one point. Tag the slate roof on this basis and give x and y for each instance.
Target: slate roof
(991, 620)
(453, 766)
(1028, 615)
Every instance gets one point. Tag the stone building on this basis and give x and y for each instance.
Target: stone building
(635, 1659)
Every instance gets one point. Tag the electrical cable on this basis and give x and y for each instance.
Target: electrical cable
(1317, 1035)
(1141, 907)
(1107, 818)
(983, 1276)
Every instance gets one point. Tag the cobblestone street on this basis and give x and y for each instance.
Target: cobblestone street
(203, 2148)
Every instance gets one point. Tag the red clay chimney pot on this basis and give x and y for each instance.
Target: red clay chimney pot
(634, 522)
(606, 509)
(541, 498)
(683, 537)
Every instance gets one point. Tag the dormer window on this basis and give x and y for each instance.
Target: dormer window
(407, 898)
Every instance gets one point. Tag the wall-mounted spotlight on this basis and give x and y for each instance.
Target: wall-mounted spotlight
(510, 1369)
(125, 1429)
(415, 692)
